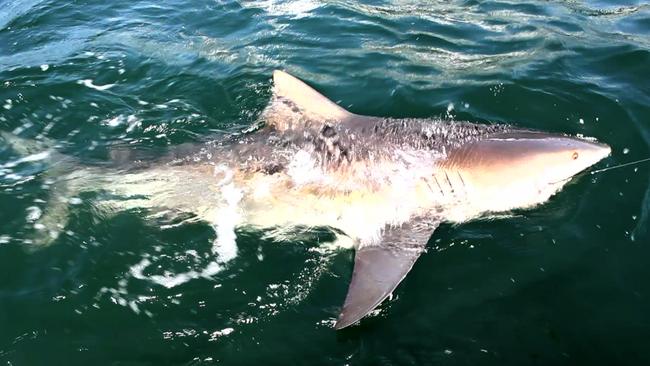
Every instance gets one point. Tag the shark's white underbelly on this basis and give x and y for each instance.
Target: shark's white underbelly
(218, 195)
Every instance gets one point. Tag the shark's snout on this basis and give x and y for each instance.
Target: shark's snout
(593, 150)
(562, 155)
(583, 153)
(521, 168)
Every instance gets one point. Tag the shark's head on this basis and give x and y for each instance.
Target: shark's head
(521, 168)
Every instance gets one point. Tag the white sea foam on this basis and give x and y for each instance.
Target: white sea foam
(227, 218)
(169, 279)
(220, 333)
(131, 120)
(302, 169)
(33, 213)
(89, 83)
(27, 159)
(295, 9)
(75, 201)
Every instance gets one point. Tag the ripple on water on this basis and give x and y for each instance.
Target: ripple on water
(93, 77)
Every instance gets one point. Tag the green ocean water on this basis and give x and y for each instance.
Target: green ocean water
(562, 284)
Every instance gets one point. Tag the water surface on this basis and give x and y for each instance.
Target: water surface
(565, 283)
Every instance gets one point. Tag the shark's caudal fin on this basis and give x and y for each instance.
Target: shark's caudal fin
(53, 217)
(295, 104)
(25, 147)
(378, 269)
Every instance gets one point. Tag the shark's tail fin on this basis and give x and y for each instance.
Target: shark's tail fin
(47, 221)
(295, 104)
(25, 147)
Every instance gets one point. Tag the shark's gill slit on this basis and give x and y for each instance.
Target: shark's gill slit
(461, 179)
(451, 186)
(438, 184)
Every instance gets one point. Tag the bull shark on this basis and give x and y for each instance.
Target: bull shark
(385, 183)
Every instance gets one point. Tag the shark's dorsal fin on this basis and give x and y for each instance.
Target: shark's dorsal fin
(378, 269)
(296, 104)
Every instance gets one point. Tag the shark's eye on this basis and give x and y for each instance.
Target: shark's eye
(575, 155)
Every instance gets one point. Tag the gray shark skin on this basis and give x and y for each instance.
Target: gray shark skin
(384, 183)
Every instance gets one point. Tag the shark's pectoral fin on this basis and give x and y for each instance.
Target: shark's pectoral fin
(295, 104)
(378, 269)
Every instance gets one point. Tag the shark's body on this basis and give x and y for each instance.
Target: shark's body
(385, 183)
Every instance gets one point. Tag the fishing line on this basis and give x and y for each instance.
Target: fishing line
(620, 166)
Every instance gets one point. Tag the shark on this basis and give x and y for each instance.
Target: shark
(384, 183)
